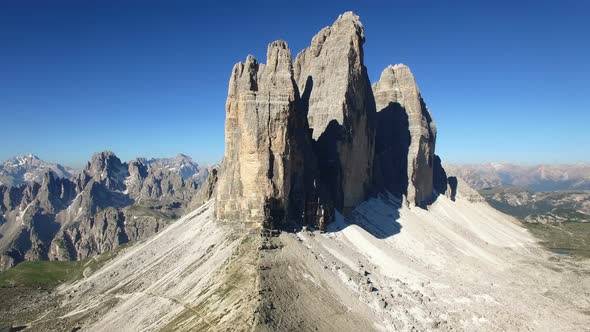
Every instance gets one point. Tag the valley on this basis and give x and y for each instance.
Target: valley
(560, 219)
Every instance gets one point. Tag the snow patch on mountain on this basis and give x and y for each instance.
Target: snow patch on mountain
(25, 168)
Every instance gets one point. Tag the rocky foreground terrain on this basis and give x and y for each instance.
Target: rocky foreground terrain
(330, 212)
(461, 265)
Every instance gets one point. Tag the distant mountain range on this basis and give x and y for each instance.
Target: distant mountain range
(51, 212)
(540, 207)
(22, 169)
(534, 178)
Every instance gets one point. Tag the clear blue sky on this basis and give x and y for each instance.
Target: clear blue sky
(505, 80)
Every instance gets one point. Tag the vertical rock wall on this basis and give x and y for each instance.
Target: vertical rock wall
(337, 97)
(406, 136)
(309, 137)
(258, 165)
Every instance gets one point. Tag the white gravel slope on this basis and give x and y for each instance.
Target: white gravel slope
(458, 266)
(158, 281)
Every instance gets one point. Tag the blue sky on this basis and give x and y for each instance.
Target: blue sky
(505, 80)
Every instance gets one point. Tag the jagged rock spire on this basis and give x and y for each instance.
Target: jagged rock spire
(302, 139)
(257, 169)
(406, 136)
(337, 97)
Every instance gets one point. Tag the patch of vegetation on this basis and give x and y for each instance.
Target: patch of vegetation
(44, 274)
(566, 238)
(49, 274)
(147, 211)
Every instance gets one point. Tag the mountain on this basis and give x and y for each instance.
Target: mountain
(107, 204)
(541, 207)
(183, 165)
(301, 135)
(22, 169)
(535, 178)
(330, 212)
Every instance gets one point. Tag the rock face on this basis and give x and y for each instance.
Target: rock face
(337, 97)
(299, 135)
(307, 138)
(107, 204)
(406, 136)
(260, 151)
(205, 192)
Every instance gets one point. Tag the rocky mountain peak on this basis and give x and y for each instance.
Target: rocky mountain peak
(406, 132)
(278, 57)
(261, 117)
(29, 167)
(182, 159)
(105, 167)
(305, 138)
(336, 95)
(27, 159)
(181, 164)
(103, 160)
(351, 22)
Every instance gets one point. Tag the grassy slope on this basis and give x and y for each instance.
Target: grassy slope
(49, 274)
(45, 274)
(570, 237)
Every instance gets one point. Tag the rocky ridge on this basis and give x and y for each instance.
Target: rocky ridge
(107, 204)
(22, 169)
(532, 177)
(337, 98)
(260, 160)
(540, 207)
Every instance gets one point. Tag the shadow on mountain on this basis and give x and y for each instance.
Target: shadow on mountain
(45, 227)
(306, 95)
(392, 143)
(329, 166)
(376, 216)
(453, 183)
(443, 183)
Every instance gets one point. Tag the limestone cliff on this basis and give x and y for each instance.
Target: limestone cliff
(406, 137)
(260, 153)
(307, 138)
(336, 95)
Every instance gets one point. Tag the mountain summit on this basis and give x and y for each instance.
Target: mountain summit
(21, 169)
(310, 137)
